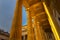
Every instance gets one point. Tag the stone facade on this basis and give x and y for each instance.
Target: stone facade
(4, 35)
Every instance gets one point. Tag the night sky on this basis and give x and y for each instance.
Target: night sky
(6, 14)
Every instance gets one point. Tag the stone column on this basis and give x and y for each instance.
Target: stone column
(36, 29)
(39, 34)
(16, 30)
(24, 37)
(30, 35)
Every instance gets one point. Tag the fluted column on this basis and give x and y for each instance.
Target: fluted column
(36, 29)
(30, 35)
(39, 33)
(16, 30)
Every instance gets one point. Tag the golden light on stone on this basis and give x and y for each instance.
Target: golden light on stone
(40, 25)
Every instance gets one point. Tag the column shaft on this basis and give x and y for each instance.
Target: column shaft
(16, 30)
(38, 30)
(30, 35)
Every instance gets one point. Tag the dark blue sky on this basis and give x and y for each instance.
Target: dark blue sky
(6, 14)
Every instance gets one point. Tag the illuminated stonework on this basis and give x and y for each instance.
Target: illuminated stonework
(40, 28)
